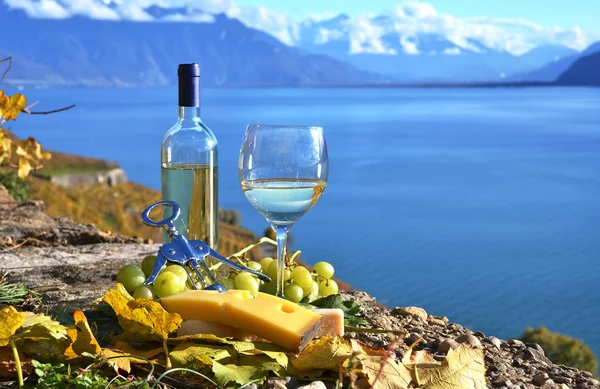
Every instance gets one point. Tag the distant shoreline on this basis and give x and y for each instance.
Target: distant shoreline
(422, 85)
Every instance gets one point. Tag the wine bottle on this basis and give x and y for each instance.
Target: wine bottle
(189, 154)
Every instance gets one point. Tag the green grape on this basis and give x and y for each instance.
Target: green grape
(293, 292)
(328, 287)
(312, 290)
(272, 271)
(270, 287)
(301, 276)
(178, 270)
(148, 264)
(227, 283)
(245, 281)
(168, 283)
(131, 276)
(324, 269)
(144, 292)
(254, 265)
(287, 274)
(265, 262)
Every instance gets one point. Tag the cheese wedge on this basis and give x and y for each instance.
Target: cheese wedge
(194, 327)
(333, 322)
(277, 320)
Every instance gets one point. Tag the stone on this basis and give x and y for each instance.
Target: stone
(495, 341)
(314, 385)
(412, 338)
(562, 380)
(417, 312)
(563, 386)
(470, 340)
(515, 343)
(281, 383)
(446, 345)
(540, 379)
(436, 321)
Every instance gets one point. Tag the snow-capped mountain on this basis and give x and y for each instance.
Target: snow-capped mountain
(412, 42)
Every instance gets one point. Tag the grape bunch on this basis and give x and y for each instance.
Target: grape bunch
(300, 284)
(172, 279)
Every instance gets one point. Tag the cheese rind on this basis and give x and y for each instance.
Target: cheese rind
(275, 319)
(194, 327)
(333, 322)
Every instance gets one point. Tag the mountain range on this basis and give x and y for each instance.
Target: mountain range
(115, 46)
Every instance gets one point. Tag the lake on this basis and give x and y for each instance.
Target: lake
(482, 205)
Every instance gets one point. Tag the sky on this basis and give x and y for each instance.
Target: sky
(566, 14)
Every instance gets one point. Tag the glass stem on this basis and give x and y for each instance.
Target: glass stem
(281, 233)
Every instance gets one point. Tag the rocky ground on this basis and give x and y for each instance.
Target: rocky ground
(75, 264)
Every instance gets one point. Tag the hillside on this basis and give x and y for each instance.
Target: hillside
(88, 52)
(584, 71)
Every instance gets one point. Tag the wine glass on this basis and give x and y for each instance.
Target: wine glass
(283, 171)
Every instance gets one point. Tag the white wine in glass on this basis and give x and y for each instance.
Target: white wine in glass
(283, 171)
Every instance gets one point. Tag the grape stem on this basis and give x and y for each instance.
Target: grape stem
(166, 349)
(17, 362)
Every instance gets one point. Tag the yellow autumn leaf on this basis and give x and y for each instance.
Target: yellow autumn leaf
(46, 155)
(143, 318)
(126, 348)
(11, 107)
(117, 360)
(10, 322)
(326, 353)
(388, 375)
(463, 368)
(44, 336)
(197, 356)
(82, 338)
(24, 168)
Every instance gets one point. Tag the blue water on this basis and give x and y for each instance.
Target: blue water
(479, 204)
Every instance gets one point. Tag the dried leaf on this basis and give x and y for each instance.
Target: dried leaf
(463, 368)
(82, 338)
(117, 364)
(126, 348)
(24, 168)
(392, 376)
(325, 353)
(143, 318)
(238, 374)
(10, 322)
(11, 107)
(197, 356)
(47, 338)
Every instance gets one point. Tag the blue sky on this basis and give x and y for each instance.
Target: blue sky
(582, 13)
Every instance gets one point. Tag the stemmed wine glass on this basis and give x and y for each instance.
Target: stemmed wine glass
(283, 171)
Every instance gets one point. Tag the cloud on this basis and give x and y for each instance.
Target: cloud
(366, 33)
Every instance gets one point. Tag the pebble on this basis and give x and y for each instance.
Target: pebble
(436, 321)
(515, 342)
(470, 340)
(495, 341)
(314, 385)
(412, 338)
(563, 386)
(411, 311)
(540, 379)
(446, 345)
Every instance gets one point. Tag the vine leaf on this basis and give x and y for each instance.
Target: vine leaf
(142, 319)
(10, 322)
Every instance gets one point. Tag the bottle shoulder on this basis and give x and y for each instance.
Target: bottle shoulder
(190, 134)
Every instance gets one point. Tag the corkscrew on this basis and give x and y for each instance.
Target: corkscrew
(188, 253)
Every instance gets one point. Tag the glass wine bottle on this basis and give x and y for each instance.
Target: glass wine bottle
(189, 165)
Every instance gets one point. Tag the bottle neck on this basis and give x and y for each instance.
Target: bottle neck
(189, 114)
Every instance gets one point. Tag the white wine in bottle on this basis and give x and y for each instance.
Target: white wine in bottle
(189, 154)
